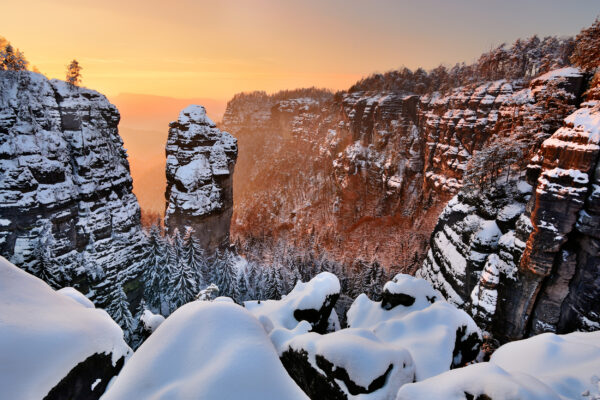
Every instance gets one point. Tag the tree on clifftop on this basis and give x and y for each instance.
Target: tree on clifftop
(586, 54)
(11, 59)
(74, 73)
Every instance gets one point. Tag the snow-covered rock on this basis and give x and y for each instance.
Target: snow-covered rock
(206, 350)
(52, 343)
(350, 363)
(67, 211)
(151, 321)
(200, 163)
(544, 367)
(437, 334)
(412, 334)
(533, 245)
(311, 301)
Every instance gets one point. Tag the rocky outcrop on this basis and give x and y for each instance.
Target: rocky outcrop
(67, 211)
(327, 171)
(523, 258)
(200, 163)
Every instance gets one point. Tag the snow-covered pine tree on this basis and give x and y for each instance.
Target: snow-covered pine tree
(253, 281)
(74, 73)
(155, 273)
(214, 271)
(137, 336)
(242, 289)
(45, 267)
(227, 275)
(272, 286)
(182, 284)
(12, 59)
(116, 302)
(193, 254)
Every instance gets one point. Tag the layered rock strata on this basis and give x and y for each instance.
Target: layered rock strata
(67, 211)
(327, 170)
(523, 259)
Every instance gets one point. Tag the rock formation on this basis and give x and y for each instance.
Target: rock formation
(523, 257)
(200, 163)
(328, 171)
(67, 212)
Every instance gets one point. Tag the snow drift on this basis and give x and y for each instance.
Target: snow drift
(206, 350)
(46, 336)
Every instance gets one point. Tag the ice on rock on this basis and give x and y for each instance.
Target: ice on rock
(206, 350)
(45, 334)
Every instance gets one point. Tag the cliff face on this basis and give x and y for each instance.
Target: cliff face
(523, 258)
(200, 162)
(67, 213)
(334, 170)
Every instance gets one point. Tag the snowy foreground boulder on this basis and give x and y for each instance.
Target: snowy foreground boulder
(206, 350)
(312, 301)
(53, 345)
(412, 334)
(544, 367)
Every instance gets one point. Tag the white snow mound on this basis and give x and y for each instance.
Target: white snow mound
(206, 350)
(44, 334)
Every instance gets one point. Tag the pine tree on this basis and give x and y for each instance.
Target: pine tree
(242, 289)
(273, 286)
(116, 302)
(253, 281)
(46, 268)
(227, 279)
(12, 60)
(155, 273)
(193, 255)
(183, 286)
(586, 54)
(138, 335)
(74, 73)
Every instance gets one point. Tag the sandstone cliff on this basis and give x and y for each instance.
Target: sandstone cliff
(67, 212)
(200, 163)
(523, 257)
(328, 171)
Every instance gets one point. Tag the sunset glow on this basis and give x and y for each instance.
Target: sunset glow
(216, 49)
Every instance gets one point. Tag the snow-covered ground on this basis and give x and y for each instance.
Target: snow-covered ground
(220, 350)
(206, 350)
(44, 334)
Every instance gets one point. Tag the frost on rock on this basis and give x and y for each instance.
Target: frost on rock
(53, 343)
(200, 162)
(544, 367)
(206, 350)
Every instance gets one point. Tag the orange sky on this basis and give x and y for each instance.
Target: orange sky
(214, 49)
